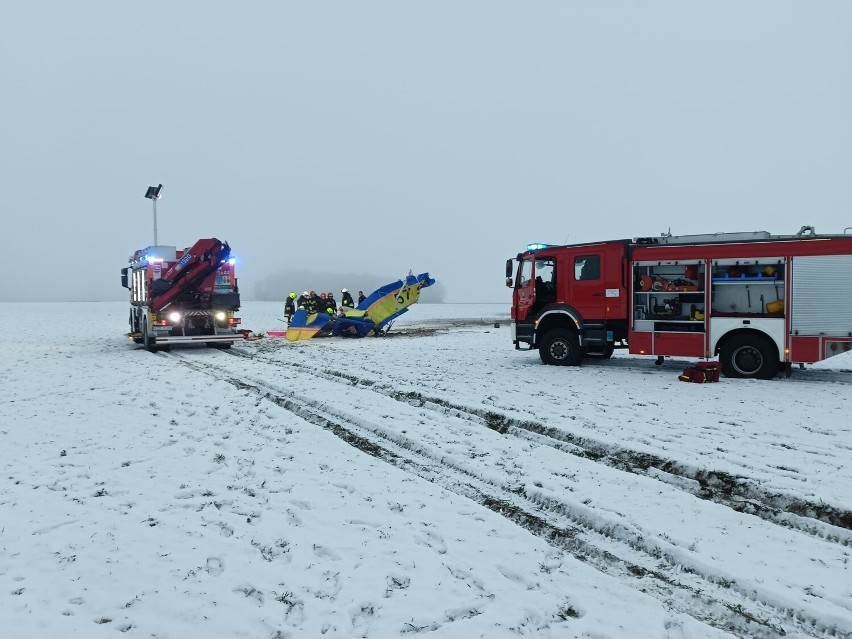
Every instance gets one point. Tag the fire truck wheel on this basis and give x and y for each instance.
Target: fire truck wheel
(147, 341)
(560, 348)
(750, 357)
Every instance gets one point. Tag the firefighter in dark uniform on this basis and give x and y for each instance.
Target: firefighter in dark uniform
(331, 304)
(346, 300)
(290, 306)
(361, 297)
(302, 302)
(313, 302)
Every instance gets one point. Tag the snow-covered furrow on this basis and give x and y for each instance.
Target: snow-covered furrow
(742, 494)
(516, 478)
(790, 437)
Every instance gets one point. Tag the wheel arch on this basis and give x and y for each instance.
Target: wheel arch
(563, 317)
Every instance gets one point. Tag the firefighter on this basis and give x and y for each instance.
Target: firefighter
(331, 303)
(302, 302)
(313, 302)
(290, 306)
(361, 297)
(346, 299)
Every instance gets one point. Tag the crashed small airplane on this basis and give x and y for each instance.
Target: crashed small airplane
(370, 317)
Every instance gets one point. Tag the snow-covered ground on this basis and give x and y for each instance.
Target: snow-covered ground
(434, 482)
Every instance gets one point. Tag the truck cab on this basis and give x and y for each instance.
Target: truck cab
(183, 297)
(569, 301)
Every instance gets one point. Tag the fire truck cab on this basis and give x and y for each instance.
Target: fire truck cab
(570, 301)
(183, 297)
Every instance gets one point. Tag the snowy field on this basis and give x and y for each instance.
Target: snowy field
(434, 482)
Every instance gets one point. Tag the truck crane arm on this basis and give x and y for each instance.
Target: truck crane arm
(197, 263)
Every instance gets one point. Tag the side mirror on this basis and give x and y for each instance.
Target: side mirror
(124, 278)
(509, 282)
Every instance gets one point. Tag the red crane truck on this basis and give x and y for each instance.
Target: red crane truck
(183, 297)
(759, 302)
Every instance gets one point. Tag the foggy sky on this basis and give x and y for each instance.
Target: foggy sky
(378, 137)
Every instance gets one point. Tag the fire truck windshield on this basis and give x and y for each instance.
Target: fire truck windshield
(524, 273)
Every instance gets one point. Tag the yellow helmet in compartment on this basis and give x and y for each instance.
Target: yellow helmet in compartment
(769, 271)
(775, 307)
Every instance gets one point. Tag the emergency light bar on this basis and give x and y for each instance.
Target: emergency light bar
(537, 246)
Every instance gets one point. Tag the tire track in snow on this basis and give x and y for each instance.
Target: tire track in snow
(712, 599)
(741, 494)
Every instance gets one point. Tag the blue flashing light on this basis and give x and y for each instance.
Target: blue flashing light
(537, 246)
(232, 260)
(151, 258)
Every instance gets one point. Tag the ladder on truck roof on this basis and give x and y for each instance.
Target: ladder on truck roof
(745, 236)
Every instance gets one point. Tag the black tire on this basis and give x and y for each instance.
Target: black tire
(560, 347)
(749, 357)
(148, 342)
(222, 346)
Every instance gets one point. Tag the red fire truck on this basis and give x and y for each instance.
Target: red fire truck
(759, 302)
(183, 297)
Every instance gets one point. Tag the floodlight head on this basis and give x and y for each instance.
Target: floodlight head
(153, 192)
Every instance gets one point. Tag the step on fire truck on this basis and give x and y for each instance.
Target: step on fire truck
(759, 302)
(183, 297)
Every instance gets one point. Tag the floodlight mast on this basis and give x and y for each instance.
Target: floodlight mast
(153, 194)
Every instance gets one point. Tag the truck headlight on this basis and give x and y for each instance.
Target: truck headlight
(174, 317)
(220, 315)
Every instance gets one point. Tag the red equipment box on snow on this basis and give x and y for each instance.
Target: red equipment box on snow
(701, 372)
